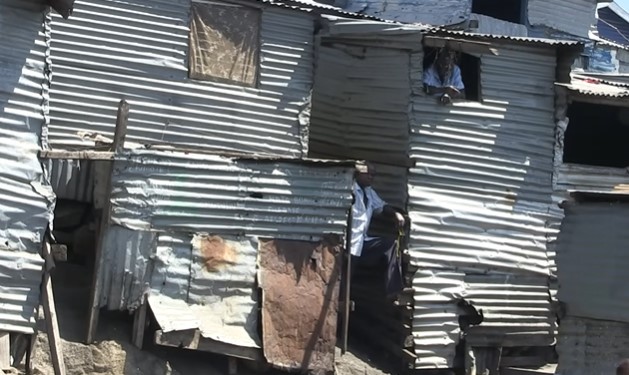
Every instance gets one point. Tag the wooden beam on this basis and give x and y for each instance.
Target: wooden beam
(139, 325)
(192, 340)
(347, 304)
(118, 145)
(120, 132)
(50, 313)
(5, 350)
(76, 155)
(460, 44)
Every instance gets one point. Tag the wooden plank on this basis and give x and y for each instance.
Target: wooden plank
(139, 325)
(192, 339)
(118, 145)
(50, 313)
(120, 133)
(5, 350)
(347, 304)
(76, 155)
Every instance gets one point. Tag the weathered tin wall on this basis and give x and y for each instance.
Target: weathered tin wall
(139, 50)
(481, 189)
(195, 193)
(171, 208)
(576, 17)
(360, 111)
(26, 199)
(592, 260)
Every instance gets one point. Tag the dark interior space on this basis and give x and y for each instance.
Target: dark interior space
(506, 10)
(597, 135)
(75, 228)
(470, 71)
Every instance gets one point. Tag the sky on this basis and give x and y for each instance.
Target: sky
(623, 3)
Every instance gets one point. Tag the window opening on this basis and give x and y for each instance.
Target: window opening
(224, 43)
(596, 135)
(506, 10)
(469, 70)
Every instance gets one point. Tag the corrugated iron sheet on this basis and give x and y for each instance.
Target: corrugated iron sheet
(576, 17)
(138, 50)
(480, 195)
(207, 283)
(26, 200)
(127, 255)
(356, 93)
(591, 347)
(592, 260)
(175, 191)
(596, 87)
(517, 310)
(436, 330)
(72, 179)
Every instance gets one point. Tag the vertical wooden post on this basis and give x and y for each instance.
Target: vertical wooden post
(5, 350)
(139, 324)
(50, 313)
(118, 146)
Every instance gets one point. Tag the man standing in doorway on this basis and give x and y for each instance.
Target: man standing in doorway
(443, 78)
(374, 249)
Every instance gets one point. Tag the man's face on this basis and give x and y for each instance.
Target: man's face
(364, 178)
(444, 63)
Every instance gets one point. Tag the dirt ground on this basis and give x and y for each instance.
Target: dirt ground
(113, 353)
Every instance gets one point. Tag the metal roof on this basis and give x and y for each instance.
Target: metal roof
(587, 85)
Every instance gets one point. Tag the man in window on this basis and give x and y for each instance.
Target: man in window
(373, 250)
(443, 78)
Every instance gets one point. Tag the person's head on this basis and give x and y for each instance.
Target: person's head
(623, 367)
(364, 174)
(445, 62)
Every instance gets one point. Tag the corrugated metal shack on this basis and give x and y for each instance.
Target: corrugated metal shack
(26, 200)
(476, 177)
(188, 231)
(187, 226)
(591, 174)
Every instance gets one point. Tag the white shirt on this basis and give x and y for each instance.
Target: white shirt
(431, 78)
(361, 215)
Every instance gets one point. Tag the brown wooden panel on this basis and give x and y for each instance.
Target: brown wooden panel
(300, 284)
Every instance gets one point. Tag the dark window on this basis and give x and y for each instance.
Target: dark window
(506, 10)
(597, 135)
(470, 71)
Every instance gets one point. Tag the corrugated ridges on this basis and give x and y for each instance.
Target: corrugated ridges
(109, 50)
(480, 194)
(26, 200)
(162, 191)
(575, 17)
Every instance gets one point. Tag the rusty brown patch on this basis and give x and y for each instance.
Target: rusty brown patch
(300, 304)
(216, 254)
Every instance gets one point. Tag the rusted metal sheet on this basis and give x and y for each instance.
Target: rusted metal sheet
(300, 283)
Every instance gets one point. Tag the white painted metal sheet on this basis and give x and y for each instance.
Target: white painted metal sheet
(26, 200)
(199, 285)
(138, 50)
